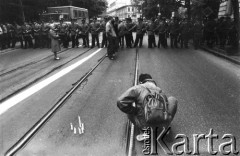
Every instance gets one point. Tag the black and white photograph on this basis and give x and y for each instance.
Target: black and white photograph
(119, 77)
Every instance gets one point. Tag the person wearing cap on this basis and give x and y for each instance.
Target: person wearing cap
(137, 94)
(174, 32)
(111, 36)
(95, 28)
(73, 33)
(85, 33)
(55, 41)
(63, 34)
(128, 33)
(115, 25)
(185, 29)
(140, 29)
(162, 30)
(36, 34)
(151, 27)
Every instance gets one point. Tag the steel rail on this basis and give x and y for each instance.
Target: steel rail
(130, 137)
(39, 124)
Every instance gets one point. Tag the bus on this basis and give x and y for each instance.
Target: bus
(66, 13)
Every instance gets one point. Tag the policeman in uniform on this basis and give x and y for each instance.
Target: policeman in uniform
(121, 33)
(19, 35)
(27, 35)
(128, 33)
(162, 30)
(174, 32)
(151, 37)
(95, 28)
(197, 33)
(185, 32)
(44, 35)
(140, 29)
(63, 34)
(36, 32)
(85, 32)
(73, 33)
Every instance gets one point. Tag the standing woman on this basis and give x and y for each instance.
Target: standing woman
(55, 44)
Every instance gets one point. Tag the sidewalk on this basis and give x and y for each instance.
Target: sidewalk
(228, 53)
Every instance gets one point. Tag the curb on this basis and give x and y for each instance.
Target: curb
(221, 55)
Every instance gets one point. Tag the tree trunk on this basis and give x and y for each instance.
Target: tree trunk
(236, 20)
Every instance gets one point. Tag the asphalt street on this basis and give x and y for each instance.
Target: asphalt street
(207, 89)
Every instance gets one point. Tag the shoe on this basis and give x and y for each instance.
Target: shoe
(142, 137)
(57, 58)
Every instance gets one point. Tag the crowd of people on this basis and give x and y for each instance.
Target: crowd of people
(118, 33)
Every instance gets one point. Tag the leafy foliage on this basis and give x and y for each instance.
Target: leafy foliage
(11, 10)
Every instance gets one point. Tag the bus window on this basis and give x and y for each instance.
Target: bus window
(75, 13)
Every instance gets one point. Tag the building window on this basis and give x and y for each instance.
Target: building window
(132, 9)
(128, 9)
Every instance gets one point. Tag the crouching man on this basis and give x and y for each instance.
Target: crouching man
(144, 114)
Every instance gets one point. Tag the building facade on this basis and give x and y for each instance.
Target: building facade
(126, 11)
(226, 9)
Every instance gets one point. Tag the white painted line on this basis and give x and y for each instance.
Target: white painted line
(79, 121)
(79, 130)
(75, 130)
(71, 125)
(4, 106)
(82, 126)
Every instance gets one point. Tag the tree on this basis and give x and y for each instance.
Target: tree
(11, 10)
(235, 4)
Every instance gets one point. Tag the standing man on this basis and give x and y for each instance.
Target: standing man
(140, 31)
(163, 27)
(174, 32)
(185, 32)
(63, 34)
(197, 33)
(128, 33)
(73, 32)
(85, 33)
(95, 27)
(111, 36)
(104, 37)
(151, 37)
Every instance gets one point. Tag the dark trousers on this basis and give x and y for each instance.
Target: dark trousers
(223, 39)
(173, 40)
(104, 40)
(128, 40)
(37, 41)
(139, 38)
(95, 37)
(151, 41)
(73, 38)
(121, 41)
(184, 40)
(162, 40)
(28, 41)
(197, 40)
(86, 40)
(111, 46)
(210, 38)
(63, 38)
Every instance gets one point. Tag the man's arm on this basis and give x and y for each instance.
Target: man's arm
(126, 100)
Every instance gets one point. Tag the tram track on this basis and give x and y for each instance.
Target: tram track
(4, 72)
(130, 129)
(36, 79)
(25, 139)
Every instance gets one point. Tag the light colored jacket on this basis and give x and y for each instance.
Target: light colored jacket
(55, 45)
(136, 94)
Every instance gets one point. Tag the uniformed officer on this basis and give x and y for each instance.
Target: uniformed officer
(44, 39)
(185, 32)
(162, 30)
(150, 30)
(140, 29)
(197, 33)
(63, 34)
(174, 32)
(27, 34)
(95, 28)
(85, 32)
(36, 34)
(73, 33)
(128, 33)
(19, 34)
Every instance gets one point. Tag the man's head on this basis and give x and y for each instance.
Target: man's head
(144, 77)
